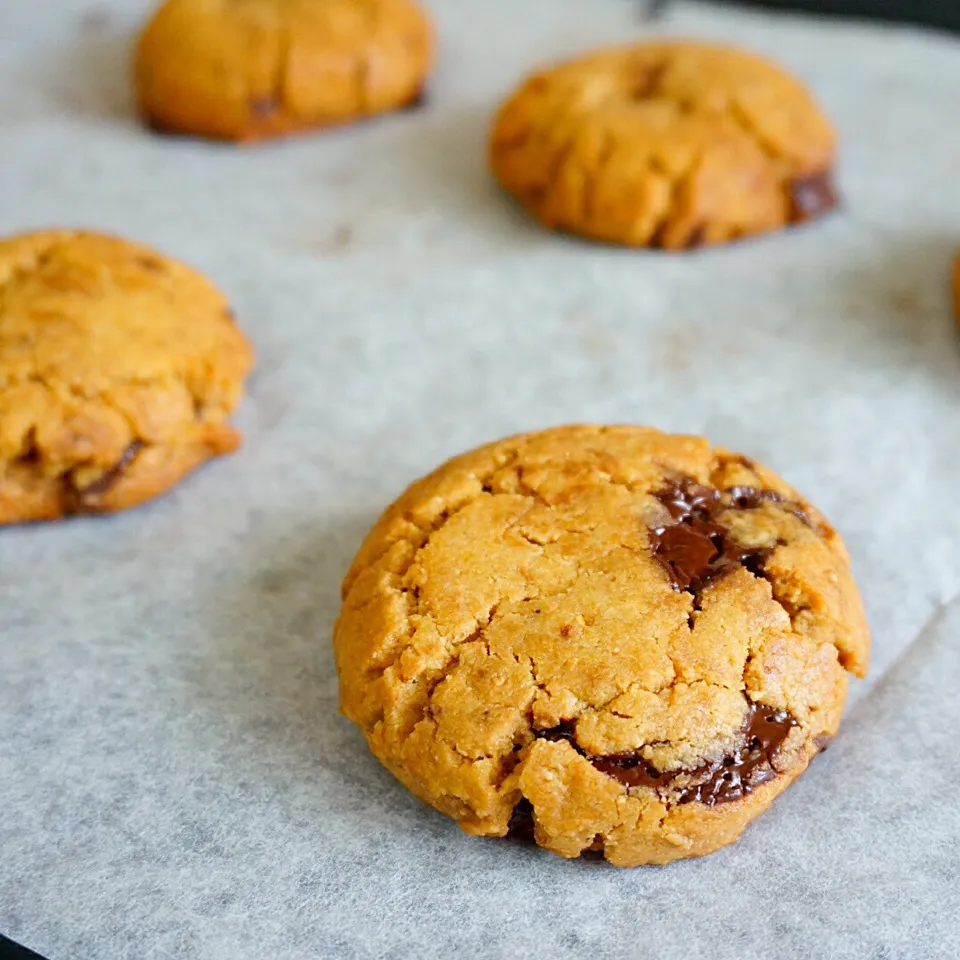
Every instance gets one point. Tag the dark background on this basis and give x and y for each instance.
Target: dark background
(937, 13)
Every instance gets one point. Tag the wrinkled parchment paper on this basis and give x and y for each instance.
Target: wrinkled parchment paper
(175, 780)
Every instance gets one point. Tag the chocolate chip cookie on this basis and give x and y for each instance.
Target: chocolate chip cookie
(606, 639)
(667, 145)
(245, 70)
(118, 370)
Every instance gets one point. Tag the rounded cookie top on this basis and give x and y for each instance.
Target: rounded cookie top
(670, 145)
(608, 637)
(250, 69)
(118, 370)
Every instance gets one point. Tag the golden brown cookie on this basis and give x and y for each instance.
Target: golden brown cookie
(250, 69)
(118, 370)
(608, 638)
(668, 145)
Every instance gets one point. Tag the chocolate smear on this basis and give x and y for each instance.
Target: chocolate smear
(112, 476)
(521, 822)
(733, 776)
(697, 548)
(812, 196)
(730, 777)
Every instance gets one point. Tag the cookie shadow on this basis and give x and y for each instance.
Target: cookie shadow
(267, 668)
(92, 76)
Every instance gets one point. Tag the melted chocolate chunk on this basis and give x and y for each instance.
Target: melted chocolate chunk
(812, 196)
(751, 498)
(32, 457)
(593, 853)
(729, 778)
(521, 822)
(740, 772)
(563, 731)
(113, 475)
(420, 99)
(697, 548)
(822, 741)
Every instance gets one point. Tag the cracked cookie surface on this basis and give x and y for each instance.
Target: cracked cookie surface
(246, 70)
(608, 639)
(118, 370)
(671, 145)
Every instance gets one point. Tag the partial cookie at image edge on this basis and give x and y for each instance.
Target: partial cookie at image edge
(118, 370)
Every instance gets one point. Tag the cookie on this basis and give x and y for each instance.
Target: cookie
(671, 145)
(608, 639)
(245, 70)
(118, 370)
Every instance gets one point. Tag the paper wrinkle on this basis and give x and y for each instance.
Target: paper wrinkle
(175, 780)
(940, 616)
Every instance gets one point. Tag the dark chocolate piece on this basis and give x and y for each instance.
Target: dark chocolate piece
(420, 99)
(521, 822)
(697, 548)
(563, 731)
(714, 781)
(812, 196)
(751, 498)
(113, 475)
(32, 457)
(729, 778)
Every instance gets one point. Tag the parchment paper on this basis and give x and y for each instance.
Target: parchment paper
(175, 780)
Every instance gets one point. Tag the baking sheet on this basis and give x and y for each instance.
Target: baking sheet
(174, 778)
